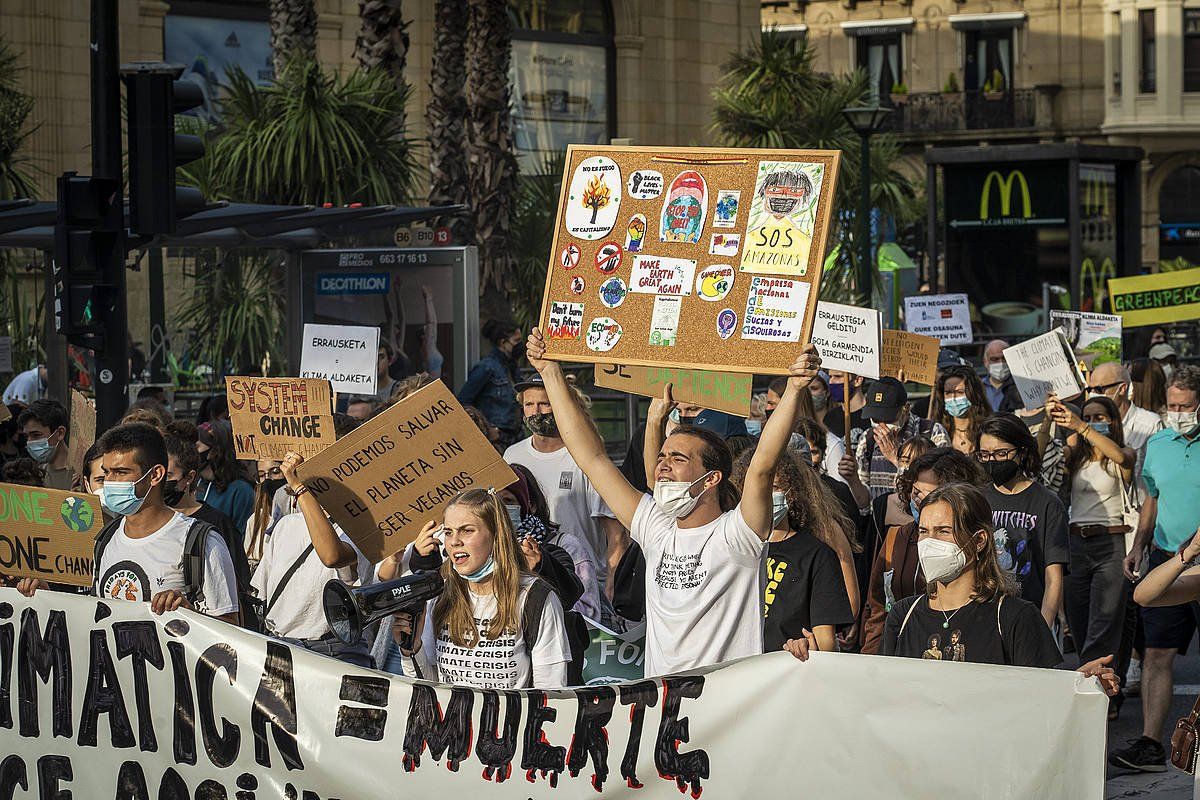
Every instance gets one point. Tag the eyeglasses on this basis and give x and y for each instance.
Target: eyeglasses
(274, 472)
(1105, 387)
(984, 456)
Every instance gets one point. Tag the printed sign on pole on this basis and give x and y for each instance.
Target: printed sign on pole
(344, 355)
(1156, 299)
(83, 430)
(384, 481)
(274, 416)
(719, 391)
(1094, 338)
(848, 338)
(946, 317)
(917, 355)
(48, 534)
(1043, 365)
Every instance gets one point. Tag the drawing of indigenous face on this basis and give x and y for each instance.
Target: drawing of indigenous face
(784, 191)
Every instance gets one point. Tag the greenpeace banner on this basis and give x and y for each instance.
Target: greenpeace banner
(102, 699)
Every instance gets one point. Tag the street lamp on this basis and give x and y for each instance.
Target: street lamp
(866, 121)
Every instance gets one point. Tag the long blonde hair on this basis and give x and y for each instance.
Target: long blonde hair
(453, 608)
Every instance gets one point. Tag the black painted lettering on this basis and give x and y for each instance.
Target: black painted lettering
(537, 754)
(363, 723)
(275, 705)
(51, 771)
(131, 782)
(640, 695)
(138, 641)
(590, 737)
(211, 790)
(428, 727)
(172, 786)
(43, 655)
(686, 768)
(12, 775)
(222, 748)
(8, 635)
(103, 696)
(183, 737)
(496, 748)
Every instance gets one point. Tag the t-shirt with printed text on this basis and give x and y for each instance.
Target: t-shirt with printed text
(805, 588)
(1030, 535)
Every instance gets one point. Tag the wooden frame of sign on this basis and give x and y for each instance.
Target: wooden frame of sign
(660, 253)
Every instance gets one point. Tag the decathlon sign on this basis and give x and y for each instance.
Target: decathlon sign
(376, 283)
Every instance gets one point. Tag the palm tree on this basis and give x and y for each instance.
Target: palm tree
(293, 31)
(446, 114)
(772, 97)
(382, 42)
(16, 179)
(491, 167)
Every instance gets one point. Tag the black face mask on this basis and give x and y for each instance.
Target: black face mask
(542, 425)
(518, 352)
(1001, 471)
(687, 420)
(272, 485)
(173, 493)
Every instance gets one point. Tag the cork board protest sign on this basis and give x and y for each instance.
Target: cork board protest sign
(274, 416)
(386, 479)
(848, 338)
(917, 355)
(48, 534)
(1042, 365)
(1156, 299)
(83, 430)
(706, 258)
(720, 391)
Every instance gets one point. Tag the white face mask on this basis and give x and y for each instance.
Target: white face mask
(1168, 372)
(1182, 421)
(514, 514)
(998, 371)
(779, 509)
(941, 561)
(674, 498)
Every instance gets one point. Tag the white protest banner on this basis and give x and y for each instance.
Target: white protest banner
(848, 338)
(6, 364)
(344, 355)
(1042, 365)
(101, 694)
(1094, 338)
(943, 316)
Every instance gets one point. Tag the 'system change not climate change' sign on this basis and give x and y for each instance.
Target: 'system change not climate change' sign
(274, 416)
(386, 479)
(48, 534)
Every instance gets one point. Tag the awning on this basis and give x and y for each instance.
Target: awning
(799, 27)
(877, 27)
(987, 22)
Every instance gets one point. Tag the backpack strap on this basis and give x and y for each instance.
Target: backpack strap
(531, 615)
(904, 624)
(101, 541)
(1000, 630)
(287, 576)
(192, 562)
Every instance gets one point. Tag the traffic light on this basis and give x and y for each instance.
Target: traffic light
(88, 246)
(153, 96)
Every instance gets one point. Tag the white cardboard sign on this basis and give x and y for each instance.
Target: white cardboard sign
(848, 338)
(1042, 365)
(344, 355)
(943, 316)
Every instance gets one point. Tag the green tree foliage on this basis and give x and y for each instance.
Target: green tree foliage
(534, 209)
(16, 179)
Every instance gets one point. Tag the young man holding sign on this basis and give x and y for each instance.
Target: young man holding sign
(704, 549)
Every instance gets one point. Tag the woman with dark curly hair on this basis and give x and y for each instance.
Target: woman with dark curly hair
(223, 483)
(806, 591)
(960, 405)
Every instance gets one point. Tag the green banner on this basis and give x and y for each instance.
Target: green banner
(613, 657)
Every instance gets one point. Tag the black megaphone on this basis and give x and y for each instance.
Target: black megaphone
(348, 610)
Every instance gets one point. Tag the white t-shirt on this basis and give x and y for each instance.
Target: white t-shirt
(704, 589)
(299, 612)
(1139, 425)
(575, 505)
(835, 450)
(501, 663)
(138, 569)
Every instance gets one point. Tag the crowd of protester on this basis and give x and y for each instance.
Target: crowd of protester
(842, 515)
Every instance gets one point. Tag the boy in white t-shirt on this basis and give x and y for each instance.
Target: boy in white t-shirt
(704, 546)
(143, 558)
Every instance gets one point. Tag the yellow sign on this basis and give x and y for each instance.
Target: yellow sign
(1156, 299)
(1005, 191)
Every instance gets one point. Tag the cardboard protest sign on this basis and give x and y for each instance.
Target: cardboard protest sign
(848, 338)
(1094, 338)
(1043, 365)
(83, 430)
(344, 355)
(48, 534)
(274, 416)
(945, 317)
(393, 474)
(705, 258)
(720, 391)
(917, 355)
(1156, 299)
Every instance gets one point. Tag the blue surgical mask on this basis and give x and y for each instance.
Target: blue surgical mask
(836, 392)
(483, 572)
(957, 406)
(1101, 428)
(779, 508)
(754, 427)
(915, 509)
(40, 450)
(120, 497)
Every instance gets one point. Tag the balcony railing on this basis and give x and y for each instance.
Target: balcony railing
(944, 112)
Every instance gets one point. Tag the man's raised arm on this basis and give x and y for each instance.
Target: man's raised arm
(581, 438)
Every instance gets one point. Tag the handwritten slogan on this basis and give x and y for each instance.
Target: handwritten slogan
(1042, 365)
(48, 534)
(719, 391)
(389, 477)
(274, 416)
(917, 355)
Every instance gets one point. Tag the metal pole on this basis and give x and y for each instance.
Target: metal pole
(158, 343)
(864, 267)
(112, 361)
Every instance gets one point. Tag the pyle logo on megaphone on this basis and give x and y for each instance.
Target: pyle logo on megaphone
(400, 591)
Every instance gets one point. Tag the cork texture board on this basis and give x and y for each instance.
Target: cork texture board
(706, 258)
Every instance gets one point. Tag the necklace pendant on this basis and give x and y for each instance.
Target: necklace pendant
(945, 624)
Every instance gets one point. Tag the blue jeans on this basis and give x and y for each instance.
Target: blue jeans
(329, 645)
(394, 662)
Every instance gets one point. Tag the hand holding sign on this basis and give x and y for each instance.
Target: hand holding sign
(1044, 365)
(804, 368)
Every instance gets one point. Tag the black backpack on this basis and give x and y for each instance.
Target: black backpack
(577, 635)
(192, 565)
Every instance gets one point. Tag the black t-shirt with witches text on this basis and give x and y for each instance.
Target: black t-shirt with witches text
(805, 588)
(1019, 637)
(1030, 534)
